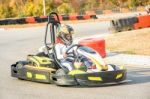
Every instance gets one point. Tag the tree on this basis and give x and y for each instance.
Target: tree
(23, 8)
(64, 8)
(75, 5)
(2, 12)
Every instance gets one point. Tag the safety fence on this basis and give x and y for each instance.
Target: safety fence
(45, 19)
(118, 10)
(129, 23)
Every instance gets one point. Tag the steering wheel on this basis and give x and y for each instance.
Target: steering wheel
(74, 54)
(49, 46)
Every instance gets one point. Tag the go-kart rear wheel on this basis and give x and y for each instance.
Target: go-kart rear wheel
(19, 65)
(61, 78)
(58, 74)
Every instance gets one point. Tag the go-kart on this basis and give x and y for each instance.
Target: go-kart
(46, 68)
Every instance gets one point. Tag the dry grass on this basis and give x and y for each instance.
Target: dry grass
(131, 42)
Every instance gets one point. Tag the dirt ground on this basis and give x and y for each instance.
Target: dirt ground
(130, 42)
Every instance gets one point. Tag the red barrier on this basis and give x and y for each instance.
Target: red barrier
(143, 22)
(30, 20)
(41, 19)
(72, 17)
(136, 26)
(43, 16)
(97, 44)
(86, 17)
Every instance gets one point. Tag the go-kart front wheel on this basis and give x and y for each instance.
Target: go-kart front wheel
(61, 78)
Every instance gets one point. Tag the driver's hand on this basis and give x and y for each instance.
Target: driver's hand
(65, 55)
(78, 64)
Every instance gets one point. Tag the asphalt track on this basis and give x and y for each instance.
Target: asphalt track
(17, 43)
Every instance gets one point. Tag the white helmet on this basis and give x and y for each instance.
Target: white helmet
(65, 34)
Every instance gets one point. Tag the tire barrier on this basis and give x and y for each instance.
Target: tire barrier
(123, 24)
(30, 20)
(97, 44)
(12, 21)
(41, 19)
(126, 24)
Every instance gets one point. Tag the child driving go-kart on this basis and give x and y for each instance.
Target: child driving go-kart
(61, 62)
(64, 40)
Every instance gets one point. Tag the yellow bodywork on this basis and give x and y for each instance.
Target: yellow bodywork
(73, 72)
(39, 61)
(95, 78)
(121, 67)
(29, 74)
(119, 76)
(38, 64)
(40, 76)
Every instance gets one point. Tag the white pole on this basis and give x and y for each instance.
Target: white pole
(44, 9)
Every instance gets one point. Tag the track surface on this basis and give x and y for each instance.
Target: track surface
(16, 44)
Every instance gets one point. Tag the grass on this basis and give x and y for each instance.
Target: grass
(130, 42)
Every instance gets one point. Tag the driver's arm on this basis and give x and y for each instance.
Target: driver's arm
(60, 51)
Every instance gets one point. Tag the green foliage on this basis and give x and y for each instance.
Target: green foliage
(64, 8)
(132, 3)
(2, 12)
(50, 6)
(29, 9)
(38, 9)
(23, 8)
(7, 11)
(66, 1)
(114, 2)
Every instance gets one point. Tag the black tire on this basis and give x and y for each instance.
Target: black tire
(62, 79)
(135, 20)
(61, 72)
(57, 75)
(19, 66)
(114, 67)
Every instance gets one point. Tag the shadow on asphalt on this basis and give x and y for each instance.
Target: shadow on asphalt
(138, 76)
(114, 53)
